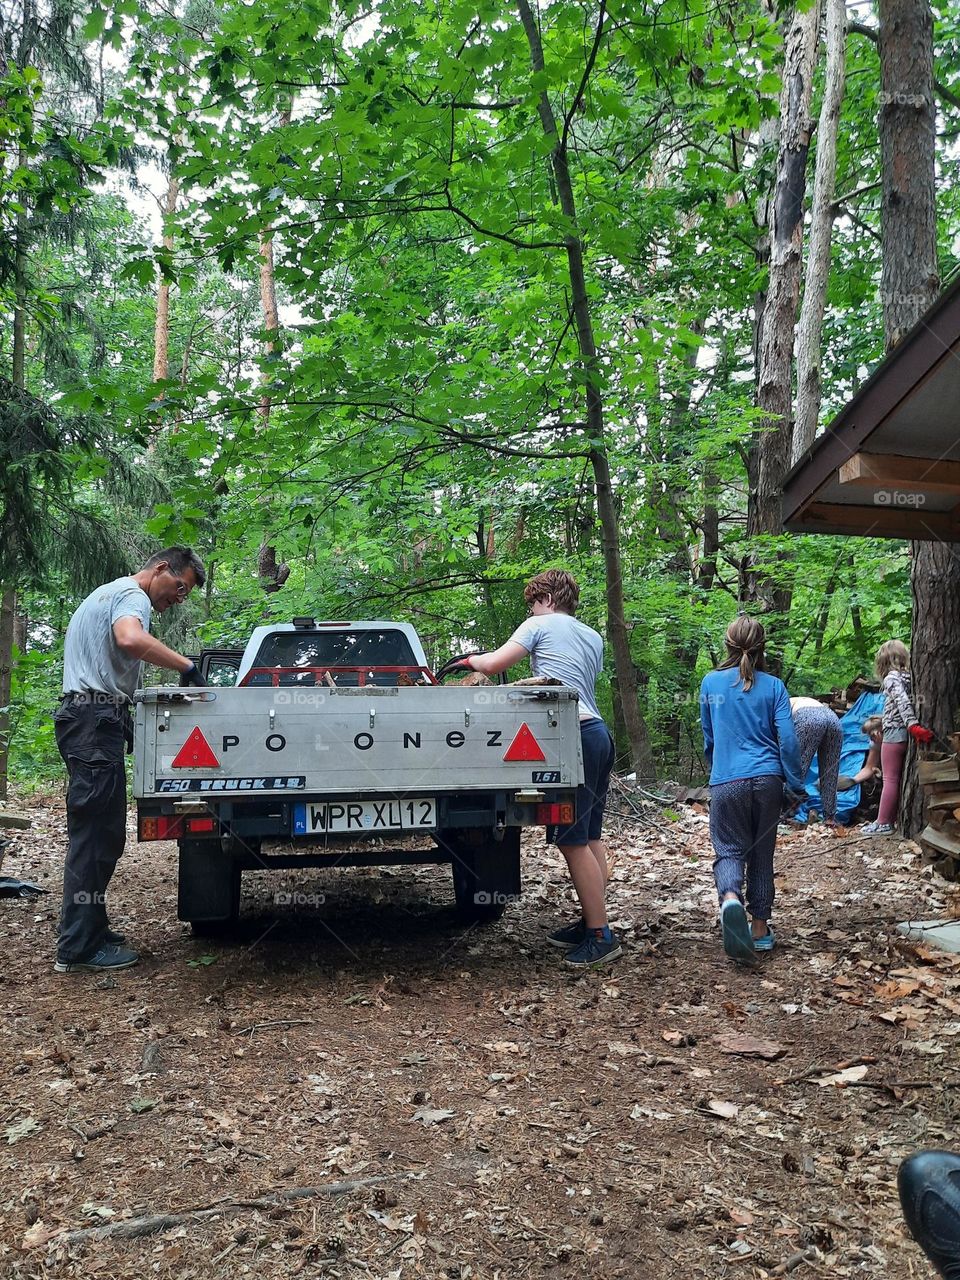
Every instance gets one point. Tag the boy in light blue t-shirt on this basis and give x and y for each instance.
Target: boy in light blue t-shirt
(561, 646)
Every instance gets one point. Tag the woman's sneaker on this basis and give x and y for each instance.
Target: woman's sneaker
(735, 927)
(594, 950)
(105, 960)
(570, 936)
(878, 829)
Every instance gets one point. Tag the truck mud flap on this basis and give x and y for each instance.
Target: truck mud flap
(486, 871)
(208, 885)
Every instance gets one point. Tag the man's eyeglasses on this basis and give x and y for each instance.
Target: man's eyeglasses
(182, 589)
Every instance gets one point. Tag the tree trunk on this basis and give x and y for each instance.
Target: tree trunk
(617, 628)
(909, 284)
(272, 575)
(271, 315)
(809, 389)
(8, 610)
(161, 328)
(776, 338)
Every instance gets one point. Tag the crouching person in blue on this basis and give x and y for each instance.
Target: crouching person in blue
(561, 646)
(108, 639)
(751, 747)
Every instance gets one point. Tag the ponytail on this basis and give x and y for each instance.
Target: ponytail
(745, 640)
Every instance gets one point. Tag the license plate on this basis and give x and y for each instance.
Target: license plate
(341, 817)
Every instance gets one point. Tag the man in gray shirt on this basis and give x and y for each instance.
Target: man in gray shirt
(108, 640)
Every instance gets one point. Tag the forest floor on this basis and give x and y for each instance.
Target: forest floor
(459, 1103)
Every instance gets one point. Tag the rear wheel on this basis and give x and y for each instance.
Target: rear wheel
(208, 887)
(486, 870)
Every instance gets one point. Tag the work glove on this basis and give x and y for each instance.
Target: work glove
(920, 734)
(192, 676)
(456, 664)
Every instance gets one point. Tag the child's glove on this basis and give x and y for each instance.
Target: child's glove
(920, 734)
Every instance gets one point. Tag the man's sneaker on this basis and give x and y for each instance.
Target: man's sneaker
(105, 960)
(593, 951)
(737, 940)
(570, 936)
(114, 939)
(878, 829)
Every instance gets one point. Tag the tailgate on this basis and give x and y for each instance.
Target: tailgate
(355, 742)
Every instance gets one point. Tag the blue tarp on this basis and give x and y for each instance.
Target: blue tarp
(856, 744)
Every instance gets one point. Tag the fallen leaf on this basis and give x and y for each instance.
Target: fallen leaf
(741, 1217)
(896, 990)
(750, 1047)
(139, 1105)
(842, 1078)
(38, 1235)
(97, 1210)
(389, 1221)
(672, 1037)
(648, 1113)
(428, 1116)
(22, 1129)
(727, 1110)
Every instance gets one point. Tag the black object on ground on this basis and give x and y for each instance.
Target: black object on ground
(10, 887)
(929, 1186)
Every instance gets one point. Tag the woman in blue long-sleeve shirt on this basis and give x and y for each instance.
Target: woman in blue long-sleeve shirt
(751, 748)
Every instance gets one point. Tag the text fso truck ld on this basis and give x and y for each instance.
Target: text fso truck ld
(322, 739)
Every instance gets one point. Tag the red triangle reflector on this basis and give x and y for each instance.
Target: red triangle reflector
(524, 746)
(195, 753)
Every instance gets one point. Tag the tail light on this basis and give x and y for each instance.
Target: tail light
(161, 827)
(170, 827)
(555, 815)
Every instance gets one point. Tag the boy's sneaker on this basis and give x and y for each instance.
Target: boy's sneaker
(878, 829)
(105, 960)
(594, 951)
(766, 942)
(570, 936)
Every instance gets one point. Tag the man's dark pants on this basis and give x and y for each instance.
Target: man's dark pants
(90, 736)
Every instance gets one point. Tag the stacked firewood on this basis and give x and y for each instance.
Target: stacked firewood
(940, 838)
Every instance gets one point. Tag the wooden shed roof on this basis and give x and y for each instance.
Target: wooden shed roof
(888, 465)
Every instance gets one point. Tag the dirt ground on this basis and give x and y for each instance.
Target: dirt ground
(451, 1102)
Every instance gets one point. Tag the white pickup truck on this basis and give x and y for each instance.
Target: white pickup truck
(332, 737)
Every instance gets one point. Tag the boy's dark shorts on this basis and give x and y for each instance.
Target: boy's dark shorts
(598, 753)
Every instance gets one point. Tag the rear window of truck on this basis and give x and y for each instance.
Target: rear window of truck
(336, 649)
